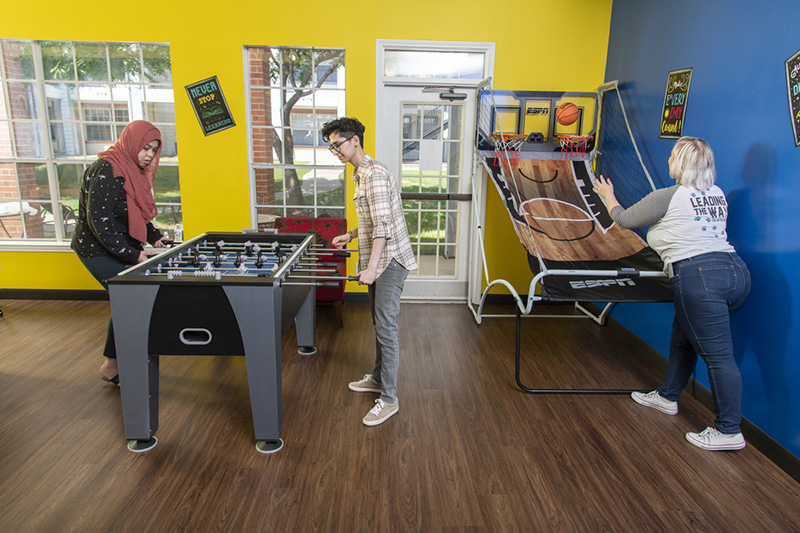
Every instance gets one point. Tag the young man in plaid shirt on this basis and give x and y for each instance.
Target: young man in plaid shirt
(384, 258)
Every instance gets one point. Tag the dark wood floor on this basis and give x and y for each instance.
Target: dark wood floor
(467, 451)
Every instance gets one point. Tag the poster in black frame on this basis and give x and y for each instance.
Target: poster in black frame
(676, 97)
(793, 88)
(210, 106)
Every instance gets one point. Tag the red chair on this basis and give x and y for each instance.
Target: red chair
(325, 229)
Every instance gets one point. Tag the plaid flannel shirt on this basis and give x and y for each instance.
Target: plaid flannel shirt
(380, 214)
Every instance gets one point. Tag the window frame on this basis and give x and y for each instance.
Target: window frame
(54, 151)
(269, 211)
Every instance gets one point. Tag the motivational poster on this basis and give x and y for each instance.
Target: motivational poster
(210, 106)
(675, 98)
(793, 86)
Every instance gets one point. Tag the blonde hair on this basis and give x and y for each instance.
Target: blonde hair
(693, 163)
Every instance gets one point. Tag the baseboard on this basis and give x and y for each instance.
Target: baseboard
(356, 297)
(52, 294)
(504, 299)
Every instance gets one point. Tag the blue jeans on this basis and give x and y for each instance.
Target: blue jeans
(104, 267)
(384, 300)
(706, 288)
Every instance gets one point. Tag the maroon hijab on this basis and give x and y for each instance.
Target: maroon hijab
(124, 158)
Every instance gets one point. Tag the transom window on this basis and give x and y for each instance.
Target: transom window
(291, 93)
(62, 102)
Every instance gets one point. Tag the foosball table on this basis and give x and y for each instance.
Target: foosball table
(226, 294)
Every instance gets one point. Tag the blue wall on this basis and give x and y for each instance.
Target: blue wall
(737, 102)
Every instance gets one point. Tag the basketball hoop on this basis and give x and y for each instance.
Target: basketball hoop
(574, 146)
(507, 146)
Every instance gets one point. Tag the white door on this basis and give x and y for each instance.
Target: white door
(426, 141)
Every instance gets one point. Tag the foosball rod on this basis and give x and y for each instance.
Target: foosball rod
(312, 271)
(266, 247)
(212, 269)
(329, 281)
(326, 264)
(330, 251)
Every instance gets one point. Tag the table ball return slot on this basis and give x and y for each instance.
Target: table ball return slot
(226, 294)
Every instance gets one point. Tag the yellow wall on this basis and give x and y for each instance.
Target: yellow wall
(533, 52)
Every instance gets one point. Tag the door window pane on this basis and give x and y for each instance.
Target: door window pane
(435, 65)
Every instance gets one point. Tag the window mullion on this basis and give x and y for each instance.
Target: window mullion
(7, 103)
(52, 171)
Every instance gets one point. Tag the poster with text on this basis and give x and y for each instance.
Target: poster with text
(793, 86)
(210, 106)
(675, 98)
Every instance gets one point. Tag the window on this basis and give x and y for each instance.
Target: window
(434, 64)
(82, 94)
(291, 93)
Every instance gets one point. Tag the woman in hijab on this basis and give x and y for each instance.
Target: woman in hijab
(116, 209)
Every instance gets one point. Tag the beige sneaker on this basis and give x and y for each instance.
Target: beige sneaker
(656, 401)
(711, 439)
(381, 412)
(365, 384)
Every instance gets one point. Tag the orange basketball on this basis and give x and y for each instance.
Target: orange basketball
(567, 114)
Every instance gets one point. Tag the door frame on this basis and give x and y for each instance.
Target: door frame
(384, 82)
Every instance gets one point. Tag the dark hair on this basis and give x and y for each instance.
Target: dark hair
(344, 127)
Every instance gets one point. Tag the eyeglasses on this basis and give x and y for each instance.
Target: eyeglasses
(335, 146)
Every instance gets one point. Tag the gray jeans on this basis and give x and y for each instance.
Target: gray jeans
(384, 302)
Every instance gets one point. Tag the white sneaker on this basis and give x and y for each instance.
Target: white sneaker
(365, 384)
(381, 412)
(711, 439)
(656, 401)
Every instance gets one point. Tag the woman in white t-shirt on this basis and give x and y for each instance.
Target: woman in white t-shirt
(708, 279)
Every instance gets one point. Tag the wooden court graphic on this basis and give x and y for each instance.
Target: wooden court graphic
(557, 216)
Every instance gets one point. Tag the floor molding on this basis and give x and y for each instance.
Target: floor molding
(52, 294)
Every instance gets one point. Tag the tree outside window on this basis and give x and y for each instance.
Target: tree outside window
(292, 93)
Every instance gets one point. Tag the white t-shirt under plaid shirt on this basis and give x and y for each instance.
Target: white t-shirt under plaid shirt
(380, 214)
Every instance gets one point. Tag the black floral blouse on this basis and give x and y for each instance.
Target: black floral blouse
(102, 227)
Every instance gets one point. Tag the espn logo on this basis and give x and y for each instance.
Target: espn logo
(594, 283)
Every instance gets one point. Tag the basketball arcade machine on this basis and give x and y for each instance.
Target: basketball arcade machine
(228, 294)
(516, 128)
